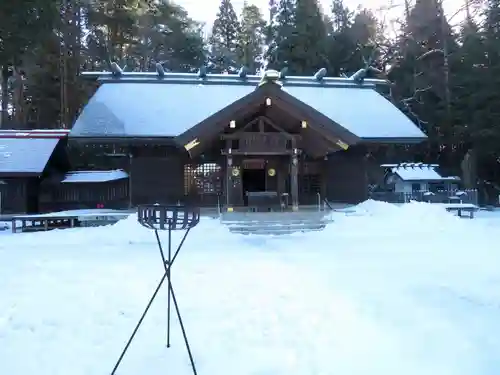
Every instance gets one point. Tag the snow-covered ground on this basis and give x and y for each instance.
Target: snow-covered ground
(385, 290)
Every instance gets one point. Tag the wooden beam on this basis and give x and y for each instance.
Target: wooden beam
(261, 124)
(318, 128)
(247, 125)
(239, 135)
(257, 153)
(277, 127)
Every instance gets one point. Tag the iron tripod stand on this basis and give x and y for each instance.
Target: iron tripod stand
(169, 218)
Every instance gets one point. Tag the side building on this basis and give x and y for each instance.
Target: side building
(26, 159)
(36, 176)
(217, 139)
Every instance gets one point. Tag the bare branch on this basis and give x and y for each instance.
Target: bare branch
(429, 53)
(416, 93)
(415, 98)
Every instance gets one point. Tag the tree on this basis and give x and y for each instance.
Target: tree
(423, 85)
(308, 53)
(167, 35)
(251, 37)
(22, 30)
(224, 38)
(365, 36)
(280, 44)
(299, 37)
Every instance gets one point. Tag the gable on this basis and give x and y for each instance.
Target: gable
(328, 135)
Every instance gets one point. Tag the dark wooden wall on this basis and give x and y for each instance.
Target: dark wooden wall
(19, 195)
(157, 179)
(346, 174)
(74, 196)
(165, 174)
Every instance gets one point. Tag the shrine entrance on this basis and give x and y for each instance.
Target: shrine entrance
(273, 148)
(260, 157)
(253, 177)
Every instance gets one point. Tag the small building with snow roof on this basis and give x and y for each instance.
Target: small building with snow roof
(36, 176)
(86, 189)
(417, 177)
(26, 158)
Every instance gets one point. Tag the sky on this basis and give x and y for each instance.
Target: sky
(205, 10)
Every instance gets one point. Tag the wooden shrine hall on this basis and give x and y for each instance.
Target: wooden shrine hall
(238, 140)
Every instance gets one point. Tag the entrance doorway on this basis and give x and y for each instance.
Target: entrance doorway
(253, 180)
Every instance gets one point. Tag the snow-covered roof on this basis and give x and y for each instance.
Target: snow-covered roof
(142, 104)
(25, 155)
(34, 133)
(418, 172)
(94, 176)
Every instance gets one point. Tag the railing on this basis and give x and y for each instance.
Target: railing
(448, 196)
(323, 203)
(327, 204)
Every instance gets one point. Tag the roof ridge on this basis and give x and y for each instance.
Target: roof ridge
(210, 78)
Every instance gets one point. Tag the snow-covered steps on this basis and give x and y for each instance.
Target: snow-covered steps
(265, 223)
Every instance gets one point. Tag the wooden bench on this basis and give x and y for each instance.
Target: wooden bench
(462, 209)
(64, 220)
(28, 223)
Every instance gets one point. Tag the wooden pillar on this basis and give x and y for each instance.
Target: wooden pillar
(229, 182)
(294, 181)
(129, 188)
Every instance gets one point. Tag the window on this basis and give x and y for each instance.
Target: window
(203, 178)
(415, 187)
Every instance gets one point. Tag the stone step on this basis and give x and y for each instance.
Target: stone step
(233, 216)
(274, 223)
(263, 226)
(275, 230)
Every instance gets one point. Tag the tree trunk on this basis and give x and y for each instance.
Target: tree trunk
(18, 99)
(4, 88)
(448, 136)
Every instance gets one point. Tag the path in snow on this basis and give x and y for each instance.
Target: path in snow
(388, 290)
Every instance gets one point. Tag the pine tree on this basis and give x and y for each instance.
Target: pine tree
(422, 75)
(279, 51)
(339, 44)
(224, 38)
(364, 34)
(309, 39)
(251, 37)
(23, 29)
(167, 35)
(341, 16)
(487, 134)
